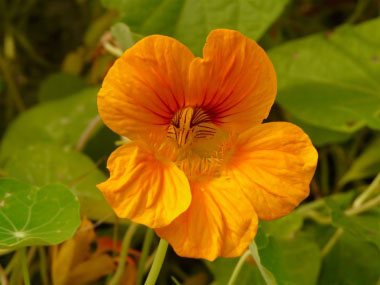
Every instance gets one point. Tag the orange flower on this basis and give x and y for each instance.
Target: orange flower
(201, 167)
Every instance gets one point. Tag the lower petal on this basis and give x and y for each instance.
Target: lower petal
(219, 222)
(144, 189)
(274, 164)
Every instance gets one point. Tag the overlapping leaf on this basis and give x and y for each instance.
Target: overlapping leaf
(43, 164)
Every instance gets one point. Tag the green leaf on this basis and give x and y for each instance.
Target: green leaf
(331, 80)
(191, 21)
(365, 227)
(61, 122)
(123, 35)
(43, 164)
(321, 136)
(351, 261)
(31, 216)
(222, 269)
(366, 165)
(284, 227)
(293, 261)
(265, 273)
(59, 85)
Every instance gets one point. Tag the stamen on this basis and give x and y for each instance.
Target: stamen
(190, 124)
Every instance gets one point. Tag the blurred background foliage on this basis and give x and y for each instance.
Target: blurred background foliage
(54, 55)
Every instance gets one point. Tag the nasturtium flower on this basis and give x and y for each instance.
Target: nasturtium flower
(201, 167)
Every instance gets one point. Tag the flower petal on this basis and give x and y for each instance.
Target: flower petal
(235, 82)
(274, 163)
(145, 87)
(143, 188)
(219, 222)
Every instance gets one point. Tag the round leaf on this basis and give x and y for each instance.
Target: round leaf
(31, 216)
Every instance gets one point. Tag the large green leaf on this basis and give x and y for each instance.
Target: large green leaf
(351, 261)
(365, 227)
(32, 216)
(322, 136)
(332, 80)
(293, 261)
(43, 164)
(60, 121)
(191, 21)
(59, 85)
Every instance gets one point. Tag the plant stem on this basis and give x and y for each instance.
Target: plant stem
(12, 87)
(123, 254)
(324, 166)
(12, 263)
(157, 263)
(238, 267)
(364, 207)
(311, 206)
(144, 254)
(332, 241)
(24, 265)
(87, 133)
(43, 265)
(117, 52)
(368, 192)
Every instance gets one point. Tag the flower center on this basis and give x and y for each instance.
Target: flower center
(189, 125)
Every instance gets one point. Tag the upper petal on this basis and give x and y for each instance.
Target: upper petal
(235, 82)
(145, 86)
(219, 222)
(274, 164)
(143, 188)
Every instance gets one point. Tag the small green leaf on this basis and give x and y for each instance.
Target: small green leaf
(59, 85)
(366, 165)
(123, 35)
(365, 227)
(31, 216)
(191, 21)
(331, 80)
(43, 164)
(60, 121)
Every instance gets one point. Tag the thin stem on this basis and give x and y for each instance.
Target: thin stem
(144, 254)
(12, 87)
(12, 263)
(3, 277)
(117, 52)
(324, 166)
(24, 265)
(87, 133)
(157, 263)
(359, 9)
(362, 208)
(43, 265)
(368, 192)
(319, 218)
(238, 267)
(311, 206)
(332, 241)
(123, 254)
